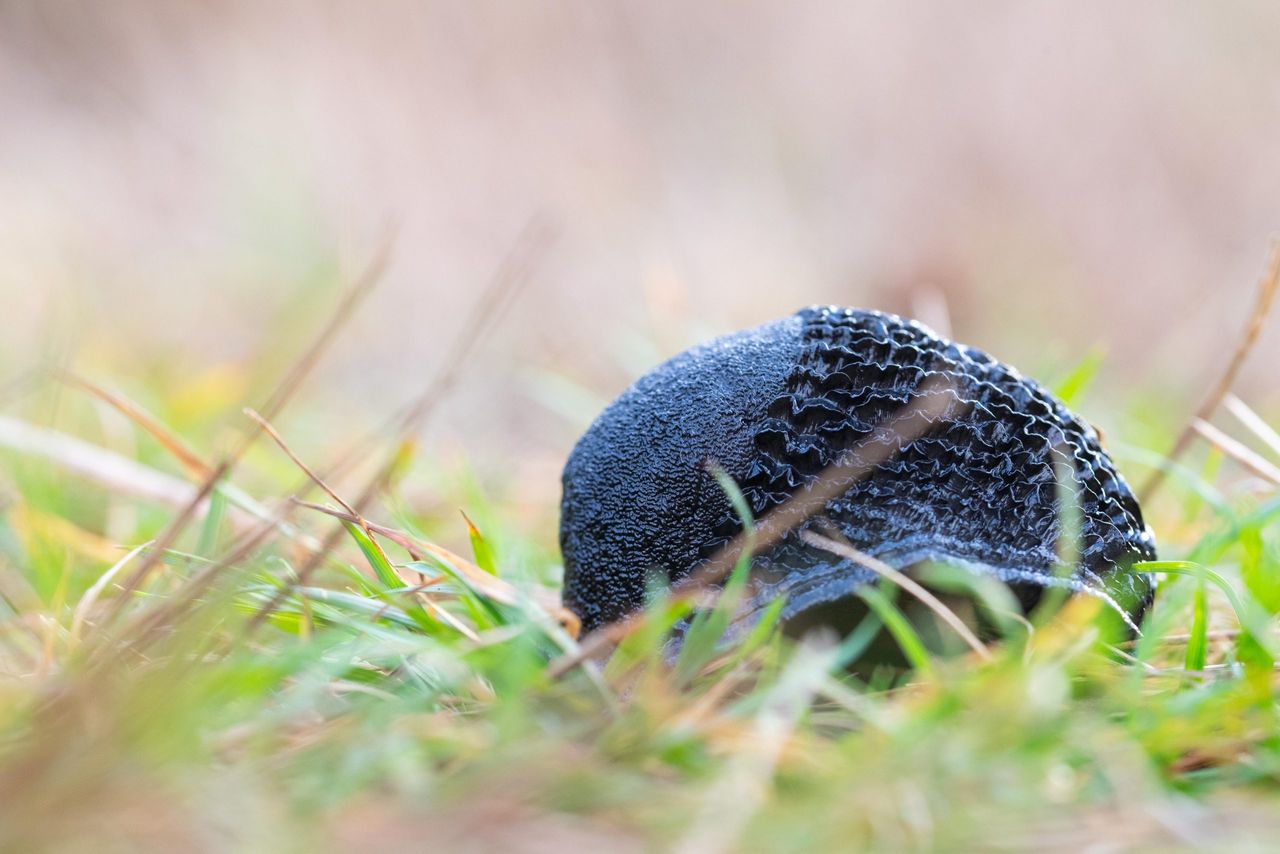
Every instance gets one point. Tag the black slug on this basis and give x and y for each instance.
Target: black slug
(777, 405)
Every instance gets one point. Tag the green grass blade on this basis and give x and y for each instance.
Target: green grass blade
(1250, 618)
(377, 559)
(388, 576)
(708, 626)
(899, 627)
(480, 548)
(1198, 643)
(211, 530)
(1081, 377)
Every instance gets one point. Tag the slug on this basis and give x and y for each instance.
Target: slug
(977, 486)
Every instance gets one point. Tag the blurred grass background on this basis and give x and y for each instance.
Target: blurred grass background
(189, 182)
(187, 191)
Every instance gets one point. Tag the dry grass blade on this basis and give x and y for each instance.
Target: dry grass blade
(1214, 635)
(445, 617)
(514, 271)
(1257, 319)
(1253, 422)
(118, 474)
(904, 581)
(343, 311)
(24, 383)
(1239, 452)
(197, 468)
(297, 461)
(91, 595)
(598, 642)
(929, 403)
(400, 538)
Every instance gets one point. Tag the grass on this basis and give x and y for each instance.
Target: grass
(266, 676)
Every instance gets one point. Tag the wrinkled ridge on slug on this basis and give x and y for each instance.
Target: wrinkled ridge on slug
(777, 405)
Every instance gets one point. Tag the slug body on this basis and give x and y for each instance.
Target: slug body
(778, 405)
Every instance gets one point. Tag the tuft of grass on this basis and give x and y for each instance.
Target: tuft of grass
(287, 674)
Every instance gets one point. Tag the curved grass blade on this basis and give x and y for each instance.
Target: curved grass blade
(899, 627)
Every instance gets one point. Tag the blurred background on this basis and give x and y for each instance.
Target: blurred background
(186, 189)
